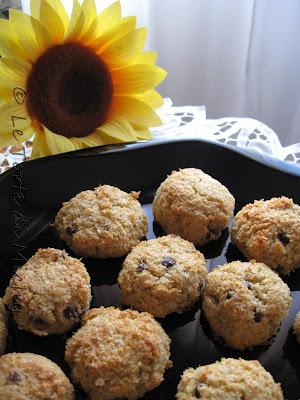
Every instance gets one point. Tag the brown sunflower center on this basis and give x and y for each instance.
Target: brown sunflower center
(69, 90)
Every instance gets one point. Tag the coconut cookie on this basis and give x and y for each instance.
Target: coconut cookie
(245, 303)
(162, 276)
(229, 379)
(102, 223)
(27, 376)
(193, 205)
(118, 354)
(50, 293)
(3, 328)
(269, 232)
(297, 326)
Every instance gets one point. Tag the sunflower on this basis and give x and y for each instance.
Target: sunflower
(75, 81)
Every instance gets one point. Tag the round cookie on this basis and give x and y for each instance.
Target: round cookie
(229, 379)
(3, 328)
(245, 303)
(49, 294)
(102, 223)
(269, 232)
(25, 376)
(193, 205)
(297, 326)
(118, 354)
(162, 276)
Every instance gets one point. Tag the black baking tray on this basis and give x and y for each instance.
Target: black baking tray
(31, 194)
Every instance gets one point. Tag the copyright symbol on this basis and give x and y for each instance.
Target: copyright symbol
(19, 95)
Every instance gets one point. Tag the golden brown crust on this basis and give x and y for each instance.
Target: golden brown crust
(102, 223)
(193, 205)
(162, 276)
(49, 294)
(269, 232)
(245, 303)
(118, 354)
(3, 327)
(228, 379)
(25, 376)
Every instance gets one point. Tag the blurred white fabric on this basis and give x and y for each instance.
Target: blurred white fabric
(237, 57)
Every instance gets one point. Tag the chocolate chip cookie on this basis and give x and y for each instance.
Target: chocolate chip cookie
(193, 205)
(49, 294)
(102, 223)
(245, 303)
(269, 232)
(118, 354)
(162, 276)
(31, 376)
(229, 379)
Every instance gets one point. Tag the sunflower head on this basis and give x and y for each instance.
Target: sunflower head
(75, 81)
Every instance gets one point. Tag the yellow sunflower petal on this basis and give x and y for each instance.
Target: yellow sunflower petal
(15, 124)
(136, 78)
(89, 9)
(147, 57)
(5, 94)
(22, 28)
(25, 37)
(94, 139)
(57, 143)
(83, 21)
(118, 128)
(52, 22)
(76, 23)
(14, 66)
(106, 39)
(9, 47)
(104, 26)
(35, 8)
(142, 133)
(135, 111)
(109, 18)
(4, 25)
(151, 97)
(125, 49)
(40, 147)
(29, 33)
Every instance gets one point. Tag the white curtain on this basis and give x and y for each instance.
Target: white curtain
(238, 58)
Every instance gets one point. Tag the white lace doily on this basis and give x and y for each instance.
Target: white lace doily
(190, 121)
(245, 133)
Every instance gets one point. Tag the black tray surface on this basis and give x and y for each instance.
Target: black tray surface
(31, 194)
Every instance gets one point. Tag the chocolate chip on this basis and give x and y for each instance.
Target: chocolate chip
(212, 234)
(247, 284)
(37, 320)
(141, 267)
(15, 305)
(14, 377)
(229, 295)
(198, 388)
(168, 262)
(71, 229)
(71, 312)
(283, 238)
(257, 316)
(201, 285)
